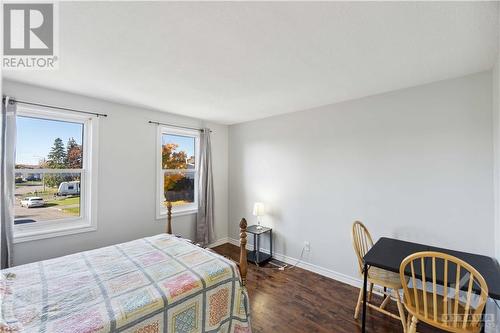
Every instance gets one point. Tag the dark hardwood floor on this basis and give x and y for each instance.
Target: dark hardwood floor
(299, 301)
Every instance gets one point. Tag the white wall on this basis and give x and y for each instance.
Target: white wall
(127, 175)
(415, 164)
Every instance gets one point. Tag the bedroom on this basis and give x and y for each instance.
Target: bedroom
(302, 117)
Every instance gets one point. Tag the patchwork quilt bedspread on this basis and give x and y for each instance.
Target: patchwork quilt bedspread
(155, 284)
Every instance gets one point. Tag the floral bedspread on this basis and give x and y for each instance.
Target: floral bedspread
(155, 284)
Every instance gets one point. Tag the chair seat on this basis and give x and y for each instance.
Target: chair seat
(445, 320)
(384, 278)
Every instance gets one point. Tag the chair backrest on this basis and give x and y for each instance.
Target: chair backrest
(440, 291)
(361, 241)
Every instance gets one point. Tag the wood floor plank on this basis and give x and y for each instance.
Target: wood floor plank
(299, 301)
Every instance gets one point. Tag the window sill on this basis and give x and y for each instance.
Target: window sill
(32, 234)
(163, 216)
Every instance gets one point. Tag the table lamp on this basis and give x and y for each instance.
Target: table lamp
(258, 210)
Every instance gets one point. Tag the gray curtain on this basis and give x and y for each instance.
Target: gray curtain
(205, 218)
(7, 163)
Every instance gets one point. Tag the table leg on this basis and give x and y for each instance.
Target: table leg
(258, 249)
(365, 282)
(483, 328)
(271, 243)
(255, 250)
(254, 242)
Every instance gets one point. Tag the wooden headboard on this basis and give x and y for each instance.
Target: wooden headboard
(243, 242)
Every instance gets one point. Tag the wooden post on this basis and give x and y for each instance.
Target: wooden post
(243, 251)
(169, 217)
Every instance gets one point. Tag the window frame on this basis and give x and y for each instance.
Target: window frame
(192, 208)
(87, 221)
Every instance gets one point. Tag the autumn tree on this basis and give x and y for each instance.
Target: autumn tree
(60, 157)
(171, 180)
(172, 159)
(73, 155)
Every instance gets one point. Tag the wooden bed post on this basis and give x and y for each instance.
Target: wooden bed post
(169, 217)
(243, 251)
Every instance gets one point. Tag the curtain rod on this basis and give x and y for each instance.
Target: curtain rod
(13, 100)
(178, 126)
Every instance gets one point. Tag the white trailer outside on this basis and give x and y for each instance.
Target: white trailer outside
(69, 188)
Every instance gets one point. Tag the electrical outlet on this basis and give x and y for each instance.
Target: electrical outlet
(307, 246)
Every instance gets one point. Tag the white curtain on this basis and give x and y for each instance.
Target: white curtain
(7, 163)
(205, 218)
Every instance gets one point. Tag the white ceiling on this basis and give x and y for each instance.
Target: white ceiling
(234, 61)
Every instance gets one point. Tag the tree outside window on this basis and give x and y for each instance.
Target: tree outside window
(178, 169)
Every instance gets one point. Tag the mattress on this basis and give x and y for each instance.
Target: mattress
(154, 284)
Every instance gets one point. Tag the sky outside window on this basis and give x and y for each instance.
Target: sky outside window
(35, 137)
(185, 143)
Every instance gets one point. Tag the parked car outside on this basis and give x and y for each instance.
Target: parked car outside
(29, 202)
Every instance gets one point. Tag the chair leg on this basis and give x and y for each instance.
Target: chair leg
(371, 292)
(386, 300)
(400, 309)
(358, 304)
(413, 326)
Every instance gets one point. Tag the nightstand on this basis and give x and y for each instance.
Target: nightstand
(256, 256)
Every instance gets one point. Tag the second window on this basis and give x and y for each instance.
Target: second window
(178, 172)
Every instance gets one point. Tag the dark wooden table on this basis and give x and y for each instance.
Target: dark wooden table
(388, 253)
(256, 256)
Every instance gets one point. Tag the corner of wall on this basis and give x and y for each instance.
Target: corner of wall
(496, 143)
(496, 152)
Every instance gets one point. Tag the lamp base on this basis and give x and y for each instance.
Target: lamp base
(259, 227)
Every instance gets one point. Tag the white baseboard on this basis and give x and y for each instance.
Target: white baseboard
(218, 242)
(308, 266)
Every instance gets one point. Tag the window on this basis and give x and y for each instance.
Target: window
(177, 170)
(54, 182)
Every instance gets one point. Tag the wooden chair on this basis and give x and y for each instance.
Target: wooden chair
(362, 242)
(450, 310)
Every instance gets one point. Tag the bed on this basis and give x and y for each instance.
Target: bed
(155, 284)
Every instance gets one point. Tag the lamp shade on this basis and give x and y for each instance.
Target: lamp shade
(258, 209)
